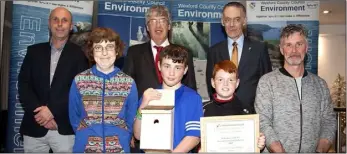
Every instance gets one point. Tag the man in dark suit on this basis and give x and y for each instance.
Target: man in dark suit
(250, 56)
(141, 60)
(43, 85)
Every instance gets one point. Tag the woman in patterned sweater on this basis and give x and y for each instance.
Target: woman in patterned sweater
(103, 100)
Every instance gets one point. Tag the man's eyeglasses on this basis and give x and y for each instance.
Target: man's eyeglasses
(162, 21)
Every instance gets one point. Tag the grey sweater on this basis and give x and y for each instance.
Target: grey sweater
(297, 124)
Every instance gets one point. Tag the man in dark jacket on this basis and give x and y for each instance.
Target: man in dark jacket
(44, 82)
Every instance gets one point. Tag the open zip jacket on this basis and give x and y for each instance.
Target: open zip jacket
(102, 109)
(297, 123)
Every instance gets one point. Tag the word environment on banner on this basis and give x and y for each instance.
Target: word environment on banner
(195, 25)
(267, 18)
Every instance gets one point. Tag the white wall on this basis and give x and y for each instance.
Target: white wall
(332, 52)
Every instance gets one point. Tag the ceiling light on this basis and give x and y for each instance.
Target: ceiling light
(326, 11)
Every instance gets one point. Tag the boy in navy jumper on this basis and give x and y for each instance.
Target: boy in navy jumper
(225, 103)
(188, 103)
(225, 82)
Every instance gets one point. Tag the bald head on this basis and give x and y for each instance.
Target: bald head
(60, 10)
(60, 23)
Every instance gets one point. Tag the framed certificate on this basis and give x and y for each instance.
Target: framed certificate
(230, 133)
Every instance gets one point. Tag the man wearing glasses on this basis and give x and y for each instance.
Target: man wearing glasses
(141, 62)
(44, 82)
(250, 56)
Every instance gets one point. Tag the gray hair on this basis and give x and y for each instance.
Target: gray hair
(291, 29)
(159, 10)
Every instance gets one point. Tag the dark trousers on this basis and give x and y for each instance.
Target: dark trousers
(136, 149)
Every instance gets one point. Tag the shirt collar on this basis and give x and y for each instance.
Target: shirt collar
(219, 101)
(285, 72)
(57, 49)
(164, 44)
(239, 41)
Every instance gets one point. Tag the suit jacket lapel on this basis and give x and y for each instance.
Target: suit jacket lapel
(62, 62)
(246, 53)
(225, 51)
(46, 65)
(148, 56)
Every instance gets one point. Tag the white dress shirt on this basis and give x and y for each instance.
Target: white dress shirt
(239, 42)
(154, 50)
